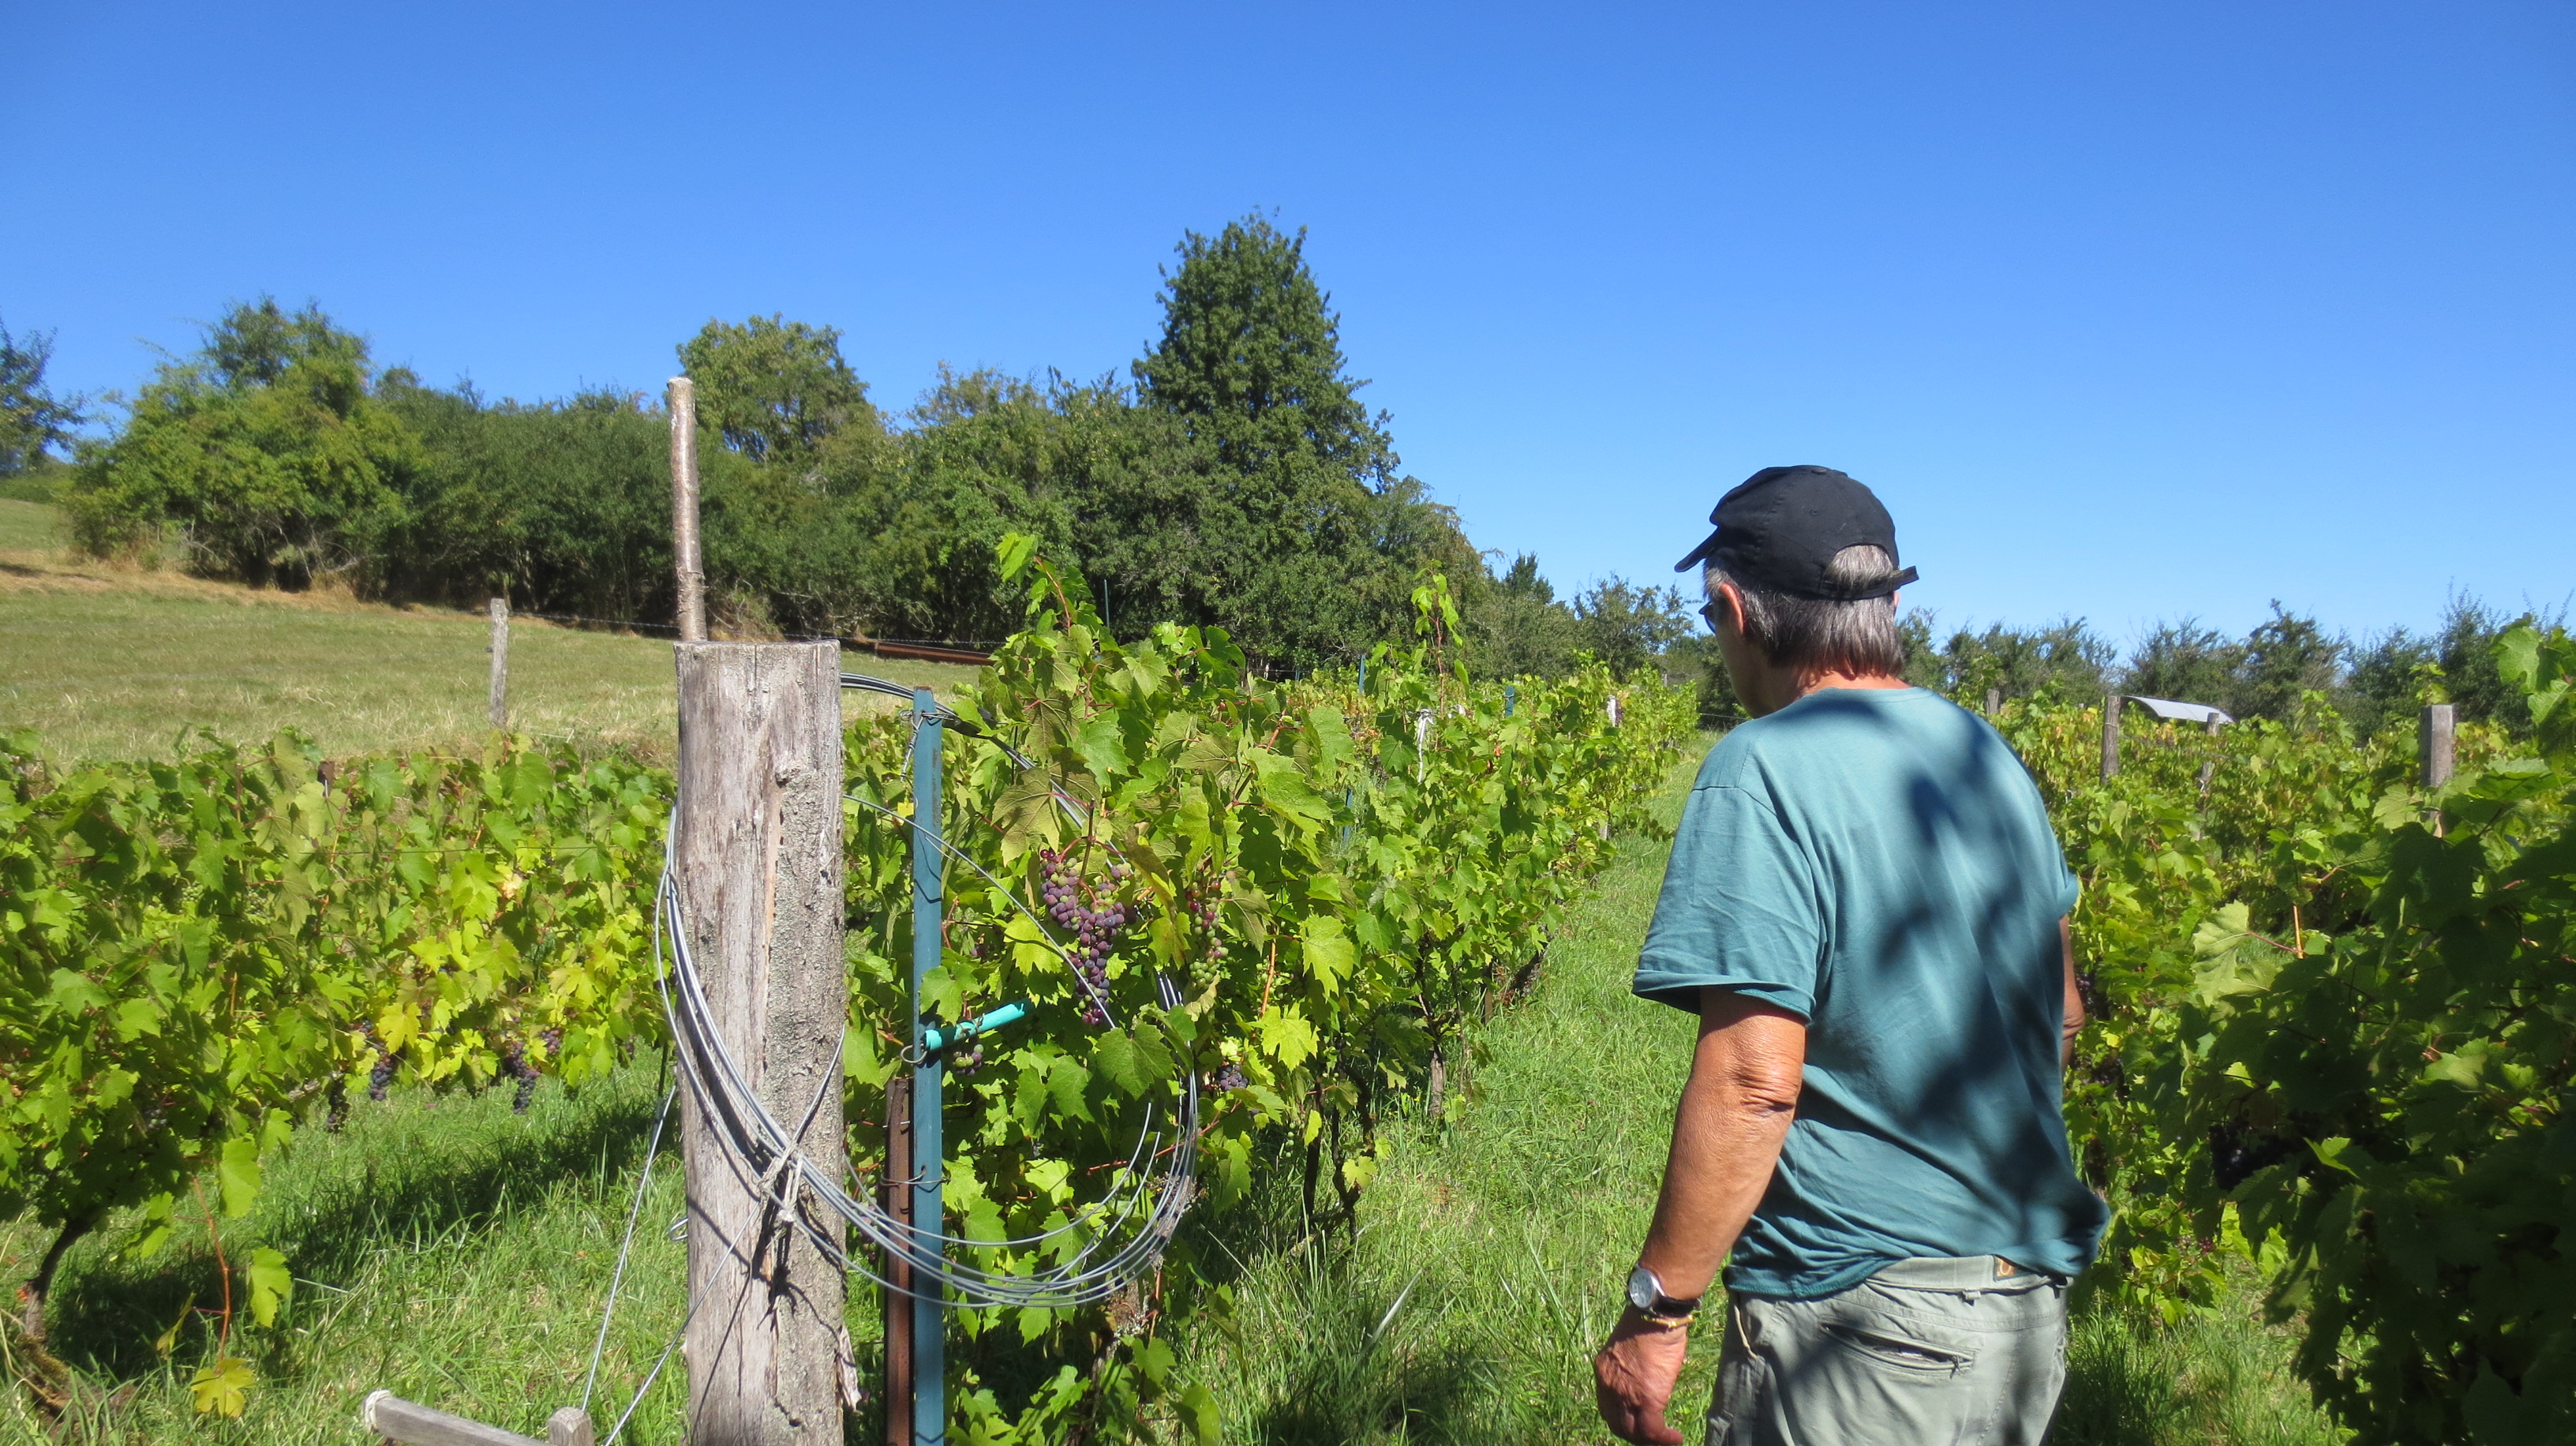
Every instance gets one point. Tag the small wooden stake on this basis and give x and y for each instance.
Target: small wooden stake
(898, 1303)
(2110, 734)
(1994, 702)
(500, 662)
(2209, 766)
(396, 1419)
(691, 574)
(756, 850)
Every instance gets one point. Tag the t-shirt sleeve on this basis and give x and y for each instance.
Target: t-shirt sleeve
(1739, 909)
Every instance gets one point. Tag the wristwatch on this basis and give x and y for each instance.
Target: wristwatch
(1646, 1293)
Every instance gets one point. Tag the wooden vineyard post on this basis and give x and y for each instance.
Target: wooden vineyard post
(756, 851)
(691, 575)
(2209, 767)
(2110, 734)
(1994, 702)
(2436, 739)
(500, 662)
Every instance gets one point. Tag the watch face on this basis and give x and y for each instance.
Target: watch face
(1643, 1287)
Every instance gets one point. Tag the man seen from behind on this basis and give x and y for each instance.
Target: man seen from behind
(1866, 908)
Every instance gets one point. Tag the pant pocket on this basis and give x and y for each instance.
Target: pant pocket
(1899, 1348)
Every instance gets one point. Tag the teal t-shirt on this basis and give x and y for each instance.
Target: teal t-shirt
(1879, 863)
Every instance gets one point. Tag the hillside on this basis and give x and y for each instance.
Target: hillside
(107, 660)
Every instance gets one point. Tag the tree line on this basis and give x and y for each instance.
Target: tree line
(2374, 682)
(1234, 478)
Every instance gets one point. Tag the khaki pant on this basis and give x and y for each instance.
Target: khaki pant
(1965, 1352)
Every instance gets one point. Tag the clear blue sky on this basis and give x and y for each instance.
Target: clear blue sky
(2128, 310)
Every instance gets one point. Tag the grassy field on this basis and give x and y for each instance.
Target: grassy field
(108, 661)
(459, 1255)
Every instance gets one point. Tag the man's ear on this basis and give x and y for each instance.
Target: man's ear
(1730, 605)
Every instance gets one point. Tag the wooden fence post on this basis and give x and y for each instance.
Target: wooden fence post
(2435, 739)
(2110, 734)
(756, 843)
(692, 577)
(500, 662)
(1994, 702)
(2209, 765)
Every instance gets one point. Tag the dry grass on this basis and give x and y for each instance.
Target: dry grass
(110, 661)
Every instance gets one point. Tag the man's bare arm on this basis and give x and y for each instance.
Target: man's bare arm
(2074, 997)
(1734, 1115)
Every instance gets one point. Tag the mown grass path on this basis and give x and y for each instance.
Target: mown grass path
(1491, 1251)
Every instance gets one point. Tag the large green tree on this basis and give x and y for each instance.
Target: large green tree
(1305, 539)
(264, 453)
(1251, 357)
(778, 391)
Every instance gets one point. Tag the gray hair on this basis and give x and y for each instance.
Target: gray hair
(1800, 632)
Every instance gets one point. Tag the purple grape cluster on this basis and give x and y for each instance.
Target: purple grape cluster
(380, 1078)
(514, 1065)
(335, 1101)
(1230, 1078)
(1076, 905)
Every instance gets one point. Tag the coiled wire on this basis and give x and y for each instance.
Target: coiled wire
(1095, 1271)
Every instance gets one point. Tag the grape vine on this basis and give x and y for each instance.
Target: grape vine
(195, 952)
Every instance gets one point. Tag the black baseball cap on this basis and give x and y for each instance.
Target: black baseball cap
(1780, 528)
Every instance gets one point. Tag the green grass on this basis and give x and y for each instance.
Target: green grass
(108, 661)
(445, 1249)
(2224, 1376)
(27, 526)
(458, 1255)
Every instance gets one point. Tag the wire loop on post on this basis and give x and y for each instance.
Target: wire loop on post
(1101, 1267)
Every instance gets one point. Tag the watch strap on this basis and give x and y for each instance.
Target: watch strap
(1660, 1308)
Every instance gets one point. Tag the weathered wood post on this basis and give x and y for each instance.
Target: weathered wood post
(692, 606)
(1994, 702)
(2436, 739)
(2110, 734)
(500, 662)
(2209, 765)
(756, 843)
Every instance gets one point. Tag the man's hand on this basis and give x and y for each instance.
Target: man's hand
(1633, 1376)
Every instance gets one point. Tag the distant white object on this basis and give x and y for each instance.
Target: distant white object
(2171, 711)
